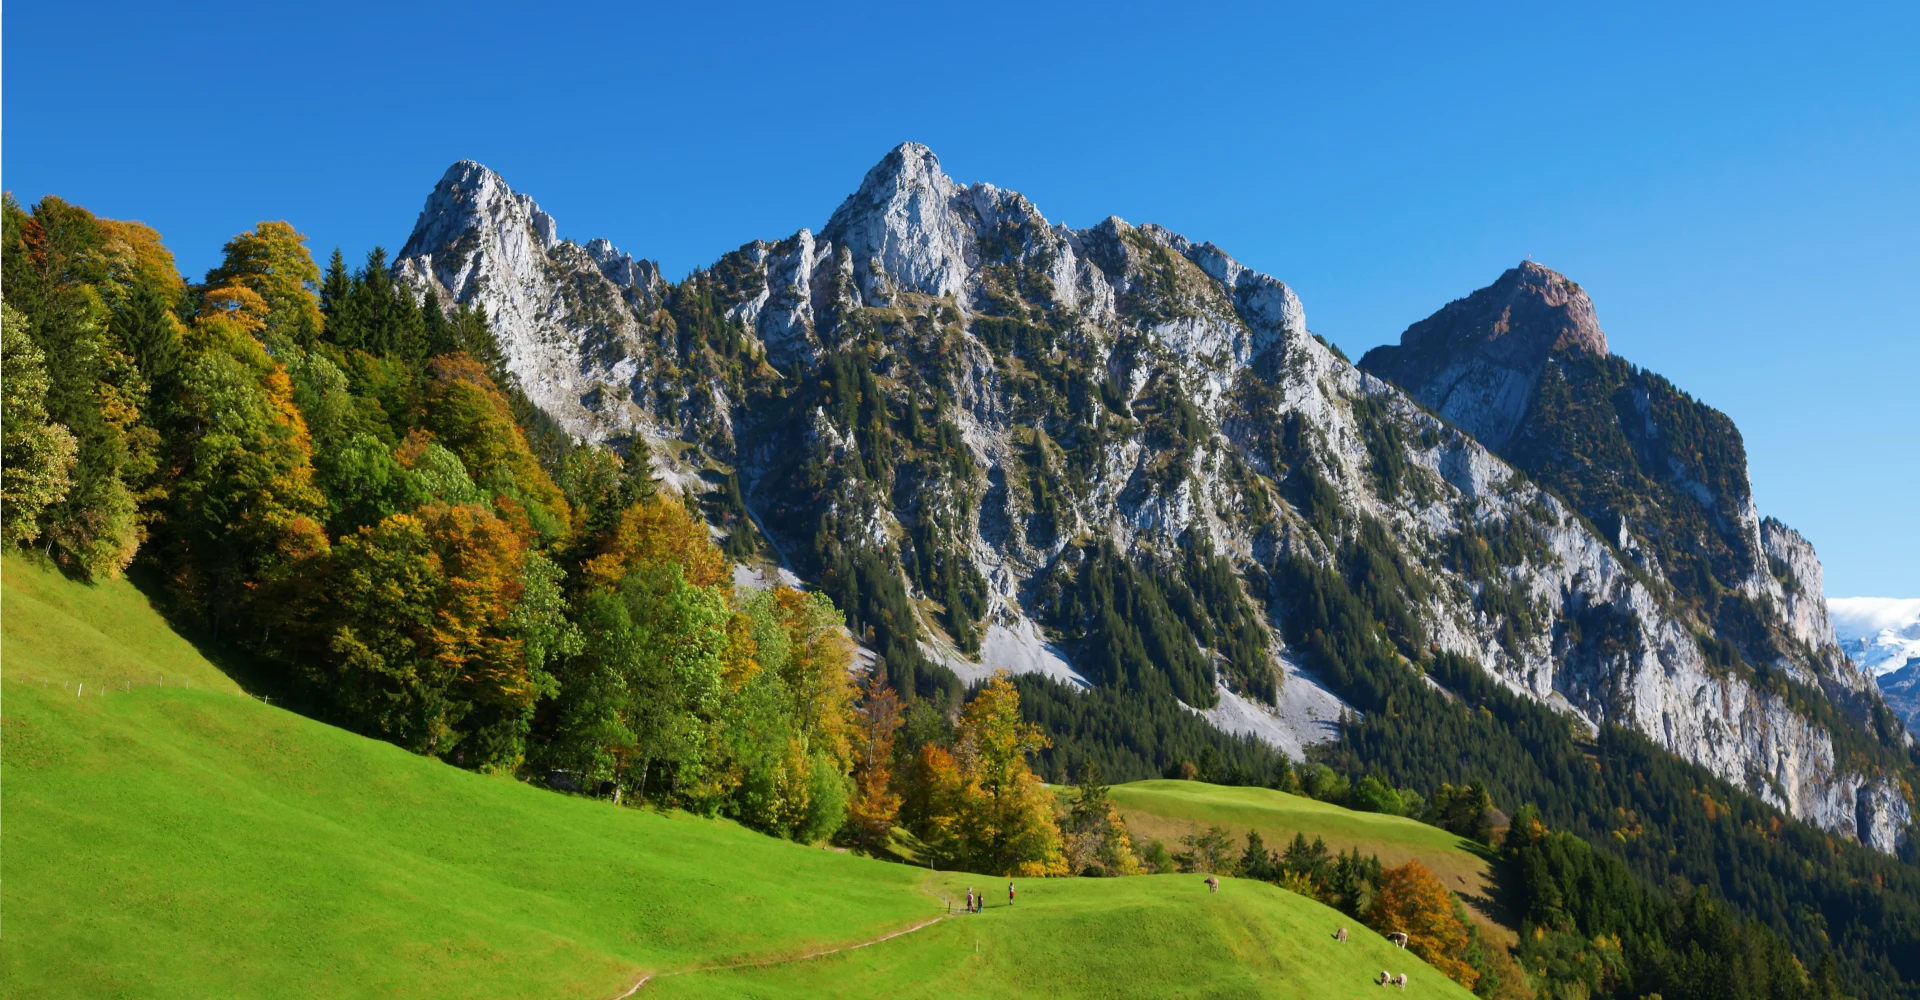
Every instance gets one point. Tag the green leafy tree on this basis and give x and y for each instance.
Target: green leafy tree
(61, 267)
(426, 641)
(272, 262)
(38, 455)
(638, 702)
(243, 514)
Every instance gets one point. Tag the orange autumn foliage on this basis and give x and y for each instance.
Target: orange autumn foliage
(271, 263)
(657, 531)
(740, 661)
(980, 806)
(481, 559)
(132, 253)
(468, 415)
(819, 654)
(876, 805)
(1413, 902)
(241, 306)
(419, 607)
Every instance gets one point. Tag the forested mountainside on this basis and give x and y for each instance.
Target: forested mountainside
(970, 426)
(1111, 458)
(961, 419)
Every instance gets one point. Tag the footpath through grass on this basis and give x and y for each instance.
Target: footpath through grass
(1167, 810)
(166, 841)
(1151, 936)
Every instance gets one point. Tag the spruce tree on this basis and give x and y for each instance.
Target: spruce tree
(437, 331)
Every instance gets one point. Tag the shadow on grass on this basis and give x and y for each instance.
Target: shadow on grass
(1497, 903)
(255, 674)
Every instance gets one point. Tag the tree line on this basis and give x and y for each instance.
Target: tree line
(1676, 828)
(335, 481)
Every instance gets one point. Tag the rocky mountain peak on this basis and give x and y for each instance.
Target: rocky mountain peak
(1029, 384)
(471, 195)
(1478, 359)
(905, 226)
(553, 303)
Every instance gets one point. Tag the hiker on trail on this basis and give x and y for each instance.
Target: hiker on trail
(1009, 893)
(969, 899)
(1213, 883)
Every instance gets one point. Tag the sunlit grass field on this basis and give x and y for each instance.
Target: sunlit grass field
(162, 841)
(168, 836)
(1168, 810)
(1151, 936)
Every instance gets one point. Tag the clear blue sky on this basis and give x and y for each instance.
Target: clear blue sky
(1738, 187)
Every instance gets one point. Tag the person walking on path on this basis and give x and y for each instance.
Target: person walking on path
(969, 899)
(1009, 893)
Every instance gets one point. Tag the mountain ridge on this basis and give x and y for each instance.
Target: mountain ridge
(942, 402)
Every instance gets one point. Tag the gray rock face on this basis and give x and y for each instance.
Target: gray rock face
(567, 316)
(1478, 361)
(909, 227)
(1523, 365)
(1122, 382)
(1901, 688)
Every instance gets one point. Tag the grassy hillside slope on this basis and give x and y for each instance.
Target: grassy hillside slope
(1152, 936)
(168, 836)
(1168, 810)
(162, 841)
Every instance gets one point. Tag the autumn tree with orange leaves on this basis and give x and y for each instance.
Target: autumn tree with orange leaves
(875, 806)
(1412, 901)
(979, 805)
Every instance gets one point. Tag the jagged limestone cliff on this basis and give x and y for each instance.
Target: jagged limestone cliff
(965, 422)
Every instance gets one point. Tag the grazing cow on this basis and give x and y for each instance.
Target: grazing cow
(1213, 883)
(1340, 935)
(1400, 980)
(1399, 938)
(1385, 978)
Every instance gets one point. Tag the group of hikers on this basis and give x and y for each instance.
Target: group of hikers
(978, 901)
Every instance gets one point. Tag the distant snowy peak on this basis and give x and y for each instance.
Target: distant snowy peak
(1881, 634)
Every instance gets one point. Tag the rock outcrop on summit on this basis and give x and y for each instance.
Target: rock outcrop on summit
(567, 316)
(971, 426)
(1478, 361)
(1523, 365)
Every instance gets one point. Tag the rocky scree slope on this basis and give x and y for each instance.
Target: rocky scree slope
(967, 423)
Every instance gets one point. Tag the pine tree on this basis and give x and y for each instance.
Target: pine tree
(334, 289)
(437, 333)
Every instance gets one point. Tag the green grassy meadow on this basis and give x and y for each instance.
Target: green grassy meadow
(168, 836)
(1167, 810)
(162, 841)
(1151, 936)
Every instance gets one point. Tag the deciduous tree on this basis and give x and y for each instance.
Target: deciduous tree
(271, 262)
(38, 455)
(1413, 902)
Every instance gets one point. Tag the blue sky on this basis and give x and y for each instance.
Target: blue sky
(1735, 185)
